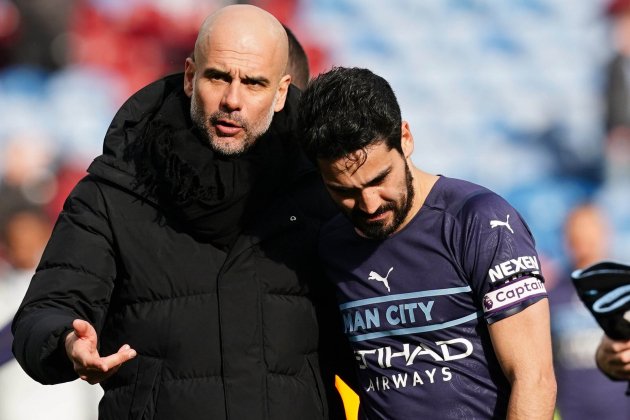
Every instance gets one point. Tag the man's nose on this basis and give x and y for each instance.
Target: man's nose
(231, 100)
(369, 201)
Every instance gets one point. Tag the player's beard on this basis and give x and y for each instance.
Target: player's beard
(381, 229)
(232, 146)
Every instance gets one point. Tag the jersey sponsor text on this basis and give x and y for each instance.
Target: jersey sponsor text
(517, 265)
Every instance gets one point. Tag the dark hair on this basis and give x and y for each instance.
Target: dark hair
(297, 66)
(346, 110)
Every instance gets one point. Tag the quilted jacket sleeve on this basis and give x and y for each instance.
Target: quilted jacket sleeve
(74, 279)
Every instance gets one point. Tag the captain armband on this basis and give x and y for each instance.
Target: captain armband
(512, 296)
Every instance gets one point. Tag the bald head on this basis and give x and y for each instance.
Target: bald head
(247, 29)
(237, 79)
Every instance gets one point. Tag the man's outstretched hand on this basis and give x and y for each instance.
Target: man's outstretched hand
(82, 352)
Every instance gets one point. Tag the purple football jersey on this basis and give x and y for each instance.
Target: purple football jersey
(416, 306)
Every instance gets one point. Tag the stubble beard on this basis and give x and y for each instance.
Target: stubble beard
(229, 146)
(381, 230)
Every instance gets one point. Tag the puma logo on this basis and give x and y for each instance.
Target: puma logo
(495, 223)
(375, 276)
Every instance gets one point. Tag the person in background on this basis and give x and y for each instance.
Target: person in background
(181, 275)
(24, 230)
(617, 92)
(583, 392)
(298, 61)
(438, 279)
(613, 356)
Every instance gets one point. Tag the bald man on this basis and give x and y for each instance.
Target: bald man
(181, 274)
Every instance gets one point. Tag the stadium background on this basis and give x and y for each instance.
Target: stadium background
(505, 94)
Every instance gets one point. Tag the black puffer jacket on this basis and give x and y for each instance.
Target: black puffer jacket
(219, 335)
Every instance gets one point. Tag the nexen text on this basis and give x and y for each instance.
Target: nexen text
(513, 266)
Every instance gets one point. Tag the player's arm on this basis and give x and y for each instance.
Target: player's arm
(613, 358)
(522, 343)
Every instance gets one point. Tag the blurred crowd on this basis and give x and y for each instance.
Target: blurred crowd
(67, 65)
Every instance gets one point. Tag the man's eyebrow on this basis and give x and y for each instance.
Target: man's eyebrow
(221, 74)
(379, 178)
(216, 73)
(254, 80)
(340, 188)
(372, 182)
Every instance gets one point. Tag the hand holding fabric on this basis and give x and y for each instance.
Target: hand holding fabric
(613, 358)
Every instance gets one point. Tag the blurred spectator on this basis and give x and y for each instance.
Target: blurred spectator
(38, 28)
(583, 391)
(618, 88)
(25, 164)
(617, 94)
(24, 231)
(298, 66)
(9, 22)
(288, 12)
(612, 356)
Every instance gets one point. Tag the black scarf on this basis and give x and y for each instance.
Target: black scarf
(214, 196)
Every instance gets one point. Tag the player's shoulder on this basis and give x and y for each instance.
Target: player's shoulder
(464, 199)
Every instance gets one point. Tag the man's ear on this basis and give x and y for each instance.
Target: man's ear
(189, 76)
(283, 88)
(406, 140)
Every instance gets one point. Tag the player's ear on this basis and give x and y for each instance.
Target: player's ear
(189, 76)
(406, 140)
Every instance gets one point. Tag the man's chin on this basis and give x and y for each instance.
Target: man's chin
(228, 146)
(373, 230)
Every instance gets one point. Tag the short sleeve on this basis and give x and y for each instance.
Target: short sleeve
(499, 256)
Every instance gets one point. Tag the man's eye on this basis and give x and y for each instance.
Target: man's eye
(253, 83)
(344, 192)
